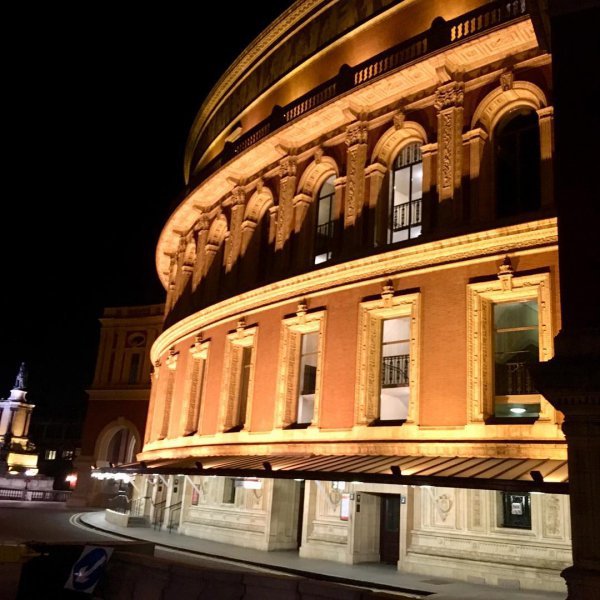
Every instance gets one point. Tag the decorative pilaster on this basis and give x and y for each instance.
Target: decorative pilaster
(287, 189)
(238, 202)
(428, 158)
(448, 102)
(304, 233)
(376, 230)
(201, 230)
(356, 141)
(171, 363)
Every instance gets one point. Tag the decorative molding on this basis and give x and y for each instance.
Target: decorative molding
(499, 101)
(450, 95)
(480, 300)
(368, 360)
(394, 139)
(420, 257)
(292, 330)
(242, 337)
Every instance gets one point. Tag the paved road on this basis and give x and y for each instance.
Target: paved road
(42, 523)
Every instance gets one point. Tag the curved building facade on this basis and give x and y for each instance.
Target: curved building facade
(362, 270)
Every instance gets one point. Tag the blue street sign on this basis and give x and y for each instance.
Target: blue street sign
(88, 569)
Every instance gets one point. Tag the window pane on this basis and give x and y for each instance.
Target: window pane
(324, 215)
(401, 186)
(307, 377)
(395, 355)
(516, 345)
(417, 181)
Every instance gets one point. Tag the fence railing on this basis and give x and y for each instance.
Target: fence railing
(394, 371)
(513, 378)
(407, 214)
(25, 495)
(442, 33)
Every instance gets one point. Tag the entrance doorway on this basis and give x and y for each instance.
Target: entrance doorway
(389, 530)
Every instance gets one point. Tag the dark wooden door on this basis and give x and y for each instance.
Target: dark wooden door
(389, 531)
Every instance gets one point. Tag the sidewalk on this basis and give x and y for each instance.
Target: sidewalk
(380, 576)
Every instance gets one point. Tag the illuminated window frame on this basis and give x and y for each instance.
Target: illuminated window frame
(368, 387)
(288, 386)
(193, 407)
(236, 342)
(481, 298)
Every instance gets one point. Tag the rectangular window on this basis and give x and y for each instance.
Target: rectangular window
(394, 374)
(309, 355)
(516, 510)
(300, 367)
(516, 346)
(244, 385)
(50, 455)
(238, 378)
(387, 375)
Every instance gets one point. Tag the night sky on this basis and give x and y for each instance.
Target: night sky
(93, 135)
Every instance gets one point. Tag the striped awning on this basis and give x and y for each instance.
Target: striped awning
(508, 474)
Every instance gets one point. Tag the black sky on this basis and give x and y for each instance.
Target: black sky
(98, 107)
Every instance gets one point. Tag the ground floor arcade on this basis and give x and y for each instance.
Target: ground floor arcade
(512, 539)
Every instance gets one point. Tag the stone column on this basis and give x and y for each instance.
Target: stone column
(448, 102)
(152, 404)
(285, 212)
(171, 363)
(304, 231)
(473, 143)
(545, 118)
(237, 202)
(571, 380)
(430, 200)
(201, 229)
(356, 141)
(376, 233)
(169, 302)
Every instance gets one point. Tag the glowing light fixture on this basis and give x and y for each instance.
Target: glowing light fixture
(518, 410)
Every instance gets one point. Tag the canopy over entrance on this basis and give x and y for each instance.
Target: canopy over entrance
(509, 474)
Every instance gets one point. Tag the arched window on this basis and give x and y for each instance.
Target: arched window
(517, 163)
(406, 193)
(324, 222)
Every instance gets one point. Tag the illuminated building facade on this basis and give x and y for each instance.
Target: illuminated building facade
(118, 397)
(362, 272)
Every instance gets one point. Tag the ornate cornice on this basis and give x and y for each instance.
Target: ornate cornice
(494, 243)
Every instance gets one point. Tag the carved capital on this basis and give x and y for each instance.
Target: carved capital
(202, 224)
(171, 361)
(356, 133)
(287, 167)
(238, 196)
(449, 95)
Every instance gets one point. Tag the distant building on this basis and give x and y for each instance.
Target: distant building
(58, 443)
(118, 398)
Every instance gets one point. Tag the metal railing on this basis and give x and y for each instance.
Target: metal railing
(175, 509)
(26, 495)
(440, 35)
(407, 214)
(323, 237)
(513, 378)
(394, 371)
(158, 514)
